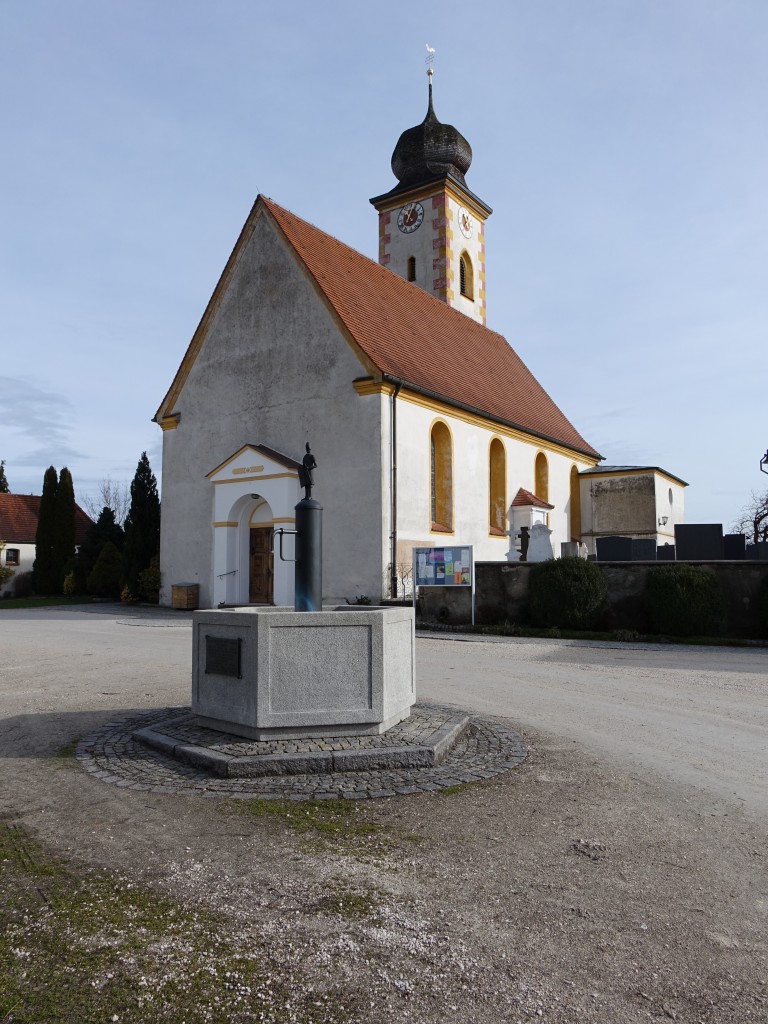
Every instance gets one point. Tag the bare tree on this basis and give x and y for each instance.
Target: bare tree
(404, 575)
(753, 518)
(112, 494)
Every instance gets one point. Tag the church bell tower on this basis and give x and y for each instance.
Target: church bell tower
(431, 227)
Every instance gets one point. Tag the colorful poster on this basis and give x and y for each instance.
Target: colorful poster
(443, 567)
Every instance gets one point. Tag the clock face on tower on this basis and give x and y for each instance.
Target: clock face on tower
(465, 222)
(410, 217)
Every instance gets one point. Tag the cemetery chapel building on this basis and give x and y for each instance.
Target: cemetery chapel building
(427, 428)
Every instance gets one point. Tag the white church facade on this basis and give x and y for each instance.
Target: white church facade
(425, 424)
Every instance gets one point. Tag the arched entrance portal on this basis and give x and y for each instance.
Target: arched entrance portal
(254, 493)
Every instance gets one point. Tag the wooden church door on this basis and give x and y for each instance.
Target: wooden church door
(260, 563)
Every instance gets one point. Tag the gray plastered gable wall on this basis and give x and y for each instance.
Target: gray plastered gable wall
(275, 369)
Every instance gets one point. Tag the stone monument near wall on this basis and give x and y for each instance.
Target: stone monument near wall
(540, 545)
(266, 673)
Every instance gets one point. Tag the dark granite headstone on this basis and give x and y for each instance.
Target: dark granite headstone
(750, 552)
(643, 550)
(734, 546)
(614, 549)
(699, 542)
(761, 551)
(665, 553)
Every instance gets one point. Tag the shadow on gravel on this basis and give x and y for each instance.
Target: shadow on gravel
(44, 735)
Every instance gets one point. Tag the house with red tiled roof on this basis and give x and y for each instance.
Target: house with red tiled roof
(18, 526)
(423, 421)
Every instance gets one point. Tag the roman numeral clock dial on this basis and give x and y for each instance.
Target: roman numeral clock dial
(410, 217)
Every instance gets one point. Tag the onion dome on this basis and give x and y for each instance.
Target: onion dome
(431, 150)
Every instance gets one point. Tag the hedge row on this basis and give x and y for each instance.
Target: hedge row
(680, 599)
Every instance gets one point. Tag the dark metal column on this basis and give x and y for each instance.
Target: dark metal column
(308, 586)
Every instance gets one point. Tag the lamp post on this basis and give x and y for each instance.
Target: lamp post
(764, 463)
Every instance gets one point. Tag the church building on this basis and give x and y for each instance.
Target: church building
(427, 428)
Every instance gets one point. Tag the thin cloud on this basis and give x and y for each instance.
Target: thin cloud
(41, 416)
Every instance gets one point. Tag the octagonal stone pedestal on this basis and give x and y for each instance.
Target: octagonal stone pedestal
(269, 673)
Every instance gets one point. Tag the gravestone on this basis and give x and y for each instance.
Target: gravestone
(761, 551)
(614, 549)
(569, 549)
(734, 546)
(665, 553)
(540, 546)
(643, 550)
(699, 542)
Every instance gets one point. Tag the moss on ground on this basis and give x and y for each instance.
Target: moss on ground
(339, 825)
(92, 946)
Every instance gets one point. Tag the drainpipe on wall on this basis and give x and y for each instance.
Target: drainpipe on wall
(393, 490)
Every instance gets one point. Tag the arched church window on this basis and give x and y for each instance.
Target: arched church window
(575, 504)
(466, 276)
(497, 487)
(411, 268)
(542, 477)
(441, 478)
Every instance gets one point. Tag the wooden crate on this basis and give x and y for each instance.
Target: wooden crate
(185, 596)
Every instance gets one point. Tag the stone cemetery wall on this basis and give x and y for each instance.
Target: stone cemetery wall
(502, 589)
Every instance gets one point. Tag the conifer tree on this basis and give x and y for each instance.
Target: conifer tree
(4, 488)
(142, 525)
(104, 530)
(44, 568)
(104, 577)
(64, 529)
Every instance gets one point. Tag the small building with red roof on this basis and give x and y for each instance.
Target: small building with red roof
(18, 526)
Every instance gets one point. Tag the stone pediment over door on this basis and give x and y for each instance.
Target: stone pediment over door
(256, 487)
(254, 461)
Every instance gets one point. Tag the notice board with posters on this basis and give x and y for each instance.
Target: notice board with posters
(449, 566)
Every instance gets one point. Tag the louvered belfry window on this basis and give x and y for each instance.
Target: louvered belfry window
(466, 277)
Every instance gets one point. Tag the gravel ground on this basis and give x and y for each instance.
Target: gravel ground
(573, 888)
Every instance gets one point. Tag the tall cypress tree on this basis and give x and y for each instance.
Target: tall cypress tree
(64, 529)
(44, 568)
(4, 488)
(142, 525)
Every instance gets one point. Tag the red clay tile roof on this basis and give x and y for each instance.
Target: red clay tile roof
(18, 519)
(524, 497)
(419, 340)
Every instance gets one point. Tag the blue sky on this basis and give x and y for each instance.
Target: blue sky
(621, 143)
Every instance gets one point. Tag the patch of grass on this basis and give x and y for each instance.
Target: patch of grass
(41, 602)
(67, 752)
(348, 903)
(92, 947)
(460, 787)
(337, 820)
(324, 824)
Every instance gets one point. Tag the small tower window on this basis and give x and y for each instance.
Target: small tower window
(466, 276)
(411, 268)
